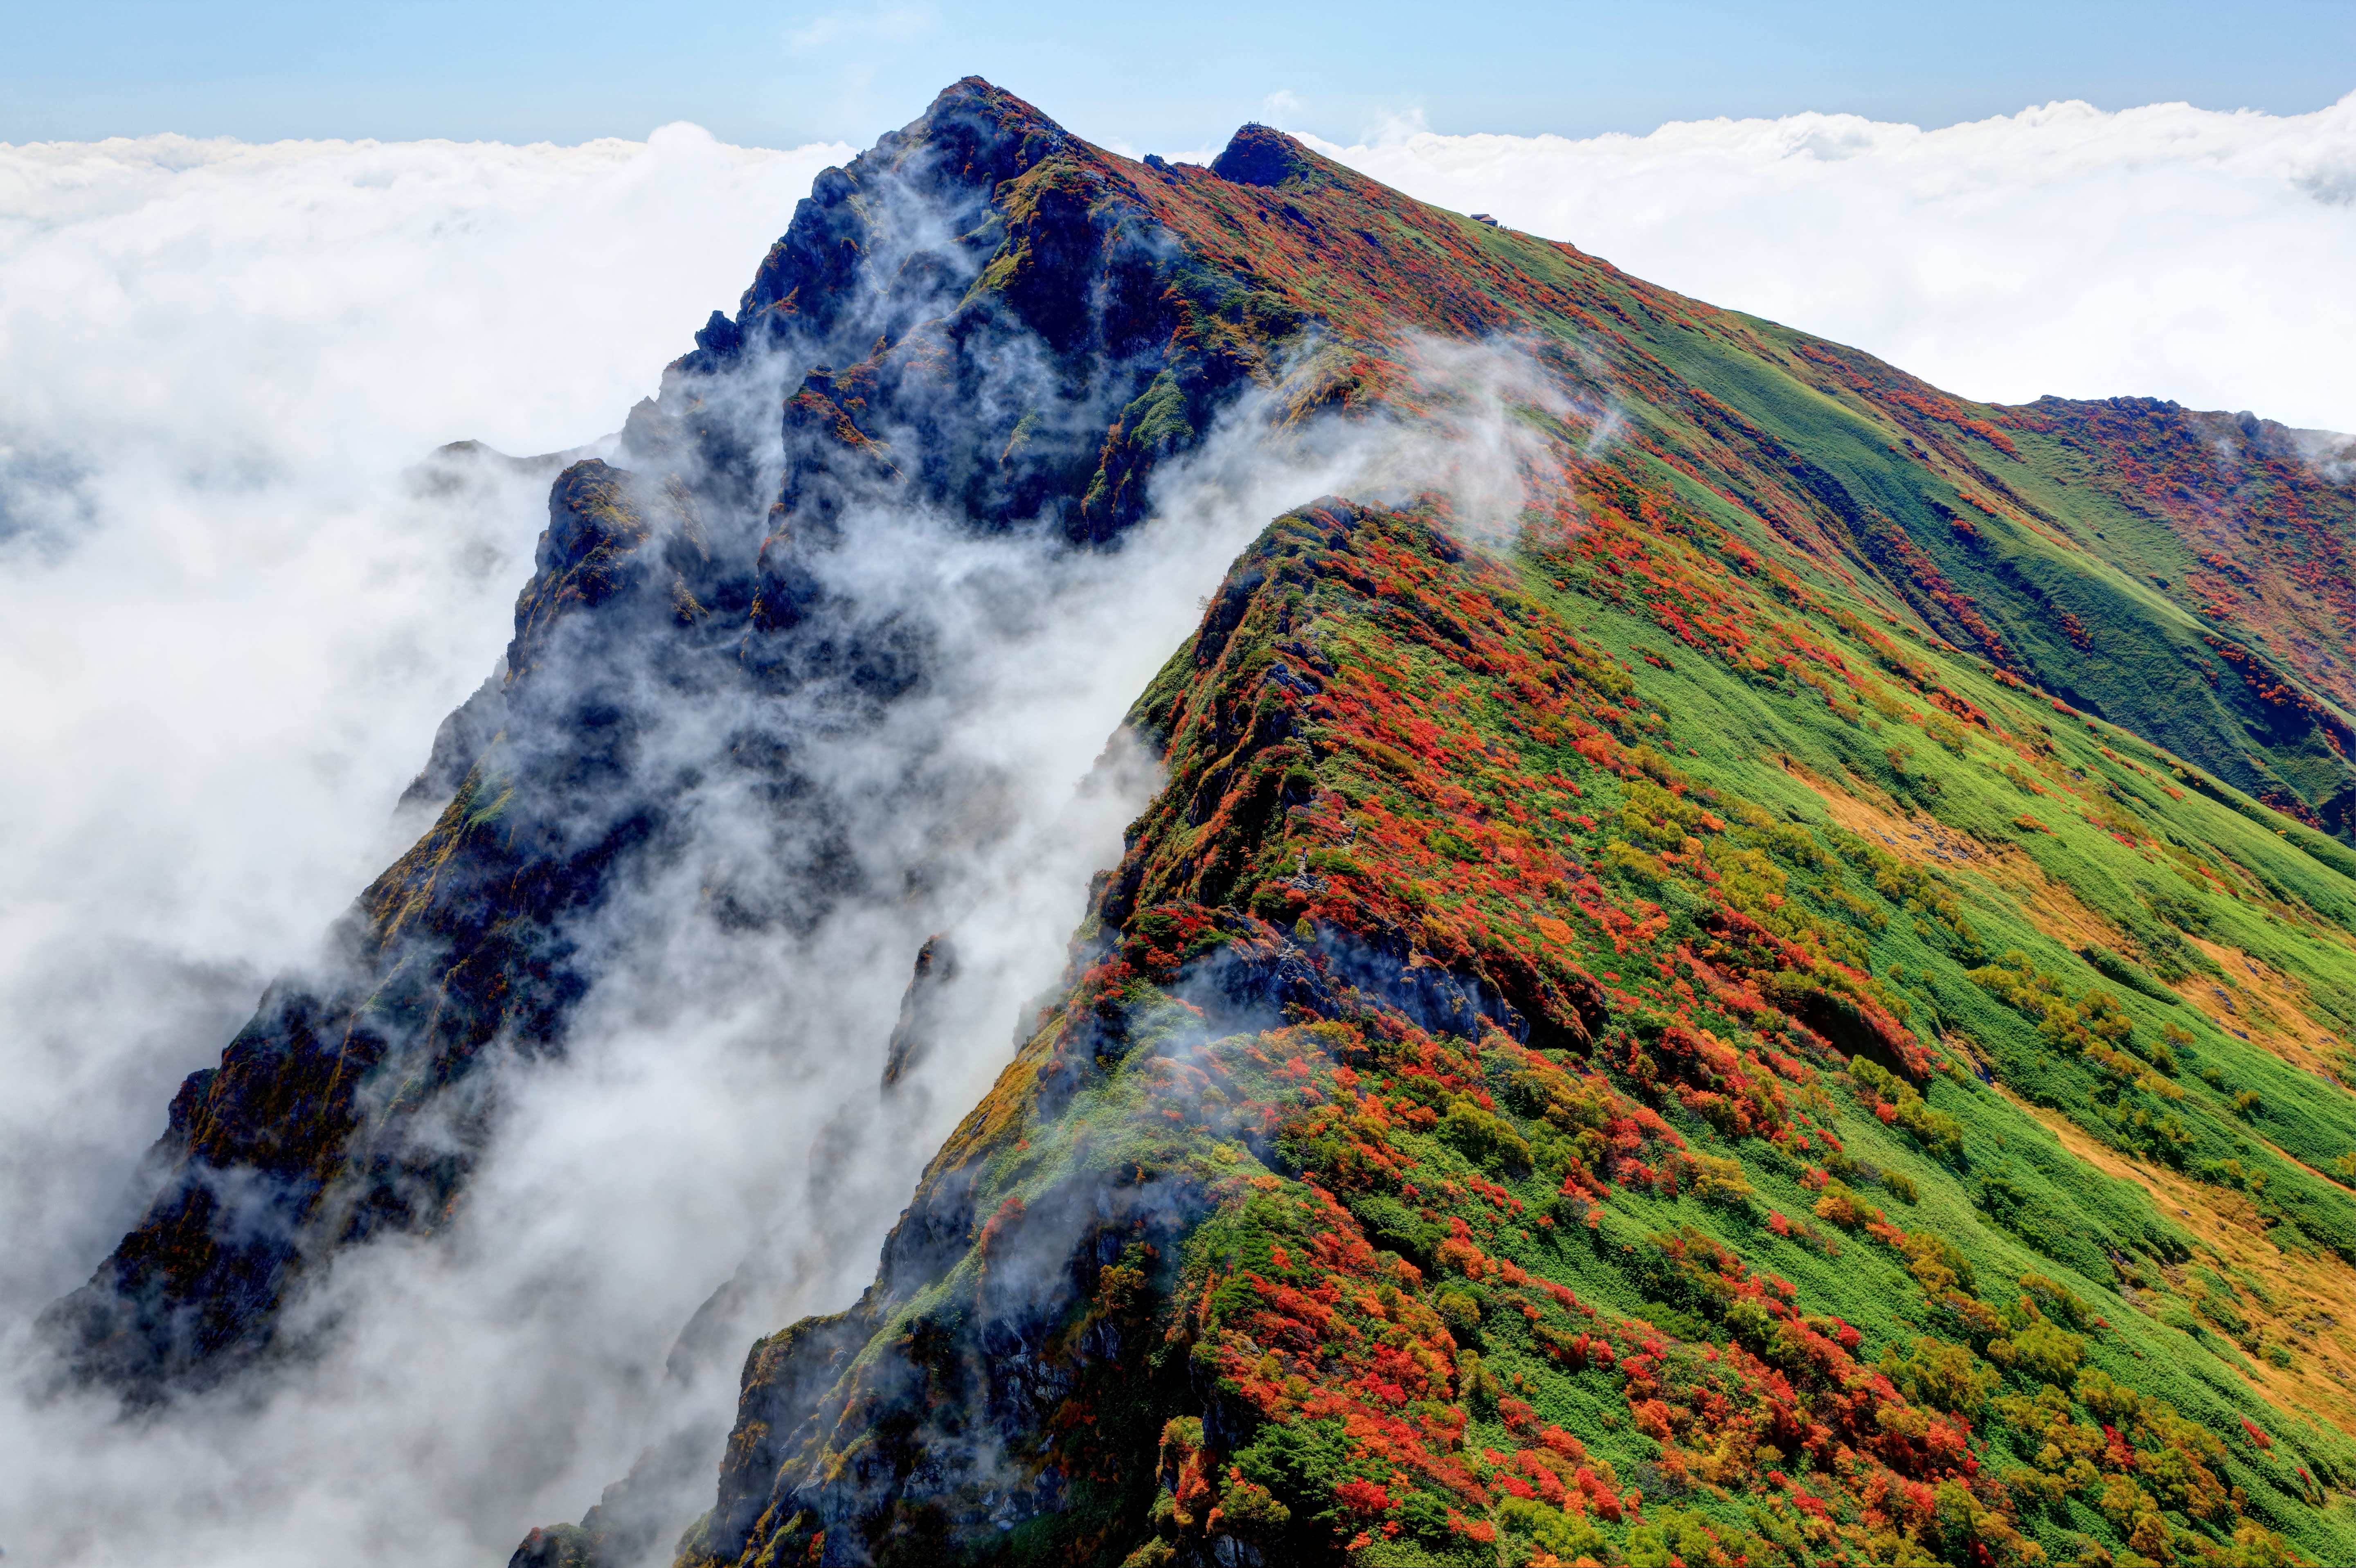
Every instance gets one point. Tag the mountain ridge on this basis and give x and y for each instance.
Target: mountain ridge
(1514, 916)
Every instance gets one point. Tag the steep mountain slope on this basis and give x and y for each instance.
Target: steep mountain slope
(2246, 539)
(1535, 1091)
(1764, 981)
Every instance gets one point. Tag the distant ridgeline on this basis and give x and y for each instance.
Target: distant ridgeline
(1793, 1013)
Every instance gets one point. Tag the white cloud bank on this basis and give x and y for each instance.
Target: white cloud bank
(2165, 252)
(227, 631)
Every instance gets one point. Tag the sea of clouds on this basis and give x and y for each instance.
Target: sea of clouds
(227, 627)
(2165, 252)
(229, 624)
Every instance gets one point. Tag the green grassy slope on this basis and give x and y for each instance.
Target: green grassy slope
(1549, 1083)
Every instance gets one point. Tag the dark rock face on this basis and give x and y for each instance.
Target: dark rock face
(977, 321)
(299, 1142)
(914, 1035)
(852, 1449)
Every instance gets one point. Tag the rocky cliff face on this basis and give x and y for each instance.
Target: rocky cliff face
(1785, 1005)
(982, 320)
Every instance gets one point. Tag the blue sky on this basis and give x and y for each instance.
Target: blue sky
(1152, 78)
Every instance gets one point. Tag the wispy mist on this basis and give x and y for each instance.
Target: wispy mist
(227, 623)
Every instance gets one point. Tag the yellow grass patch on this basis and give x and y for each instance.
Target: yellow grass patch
(2265, 1004)
(2314, 1306)
(2048, 905)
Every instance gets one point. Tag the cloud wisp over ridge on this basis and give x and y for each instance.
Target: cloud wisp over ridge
(230, 619)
